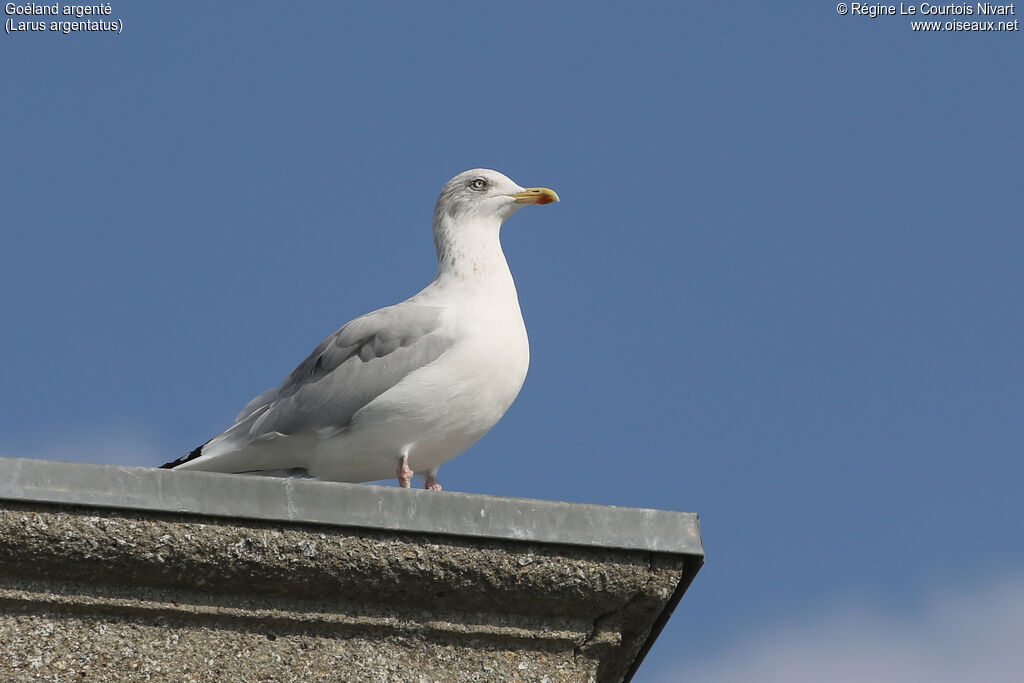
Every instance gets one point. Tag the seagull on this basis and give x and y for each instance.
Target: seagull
(404, 389)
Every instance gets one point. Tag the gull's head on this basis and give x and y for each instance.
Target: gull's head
(484, 194)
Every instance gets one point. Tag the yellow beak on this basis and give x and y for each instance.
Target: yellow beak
(535, 195)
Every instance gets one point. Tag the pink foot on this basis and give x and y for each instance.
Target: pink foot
(430, 482)
(404, 473)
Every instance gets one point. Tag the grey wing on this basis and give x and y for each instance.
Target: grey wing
(349, 369)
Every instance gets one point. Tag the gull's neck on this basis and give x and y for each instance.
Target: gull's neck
(469, 253)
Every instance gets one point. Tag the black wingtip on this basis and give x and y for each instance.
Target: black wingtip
(183, 459)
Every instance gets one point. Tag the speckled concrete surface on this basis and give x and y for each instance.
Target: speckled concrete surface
(43, 647)
(95, 595)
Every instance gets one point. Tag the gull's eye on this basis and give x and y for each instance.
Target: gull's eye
(478, 184)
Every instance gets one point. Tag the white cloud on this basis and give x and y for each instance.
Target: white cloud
(973, 634)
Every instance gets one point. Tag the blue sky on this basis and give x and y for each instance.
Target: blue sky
(782, 289)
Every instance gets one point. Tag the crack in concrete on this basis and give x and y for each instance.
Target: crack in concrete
(602, 619)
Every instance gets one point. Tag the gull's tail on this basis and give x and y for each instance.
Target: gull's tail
(183, 459)
(290, 472)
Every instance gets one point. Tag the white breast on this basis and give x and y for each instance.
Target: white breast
(440, 410)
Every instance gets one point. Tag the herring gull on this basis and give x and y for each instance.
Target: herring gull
(402, 390)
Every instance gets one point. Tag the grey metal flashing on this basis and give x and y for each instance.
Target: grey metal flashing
(349, 505)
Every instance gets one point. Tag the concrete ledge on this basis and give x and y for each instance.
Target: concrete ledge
(108, 573)
(353, 505)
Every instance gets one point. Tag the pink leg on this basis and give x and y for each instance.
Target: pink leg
(430, 481)
(404, 473)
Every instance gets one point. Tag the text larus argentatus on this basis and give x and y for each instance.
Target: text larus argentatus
(409, 387)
